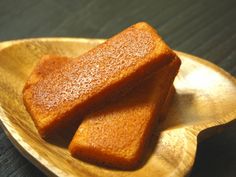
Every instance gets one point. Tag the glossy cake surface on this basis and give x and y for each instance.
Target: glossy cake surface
(56, 96)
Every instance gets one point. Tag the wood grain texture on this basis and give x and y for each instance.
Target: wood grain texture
(203, 100)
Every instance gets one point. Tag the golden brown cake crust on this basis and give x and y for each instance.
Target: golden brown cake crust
(79, 78)
(116, 134)
(78, 85)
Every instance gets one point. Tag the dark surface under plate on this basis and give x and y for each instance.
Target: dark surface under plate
(203, 28)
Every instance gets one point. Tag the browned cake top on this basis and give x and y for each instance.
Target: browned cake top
(76, 79)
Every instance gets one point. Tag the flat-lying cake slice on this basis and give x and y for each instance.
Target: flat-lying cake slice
(116, 134)
(75, 86)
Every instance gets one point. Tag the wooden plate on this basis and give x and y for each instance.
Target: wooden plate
(205, 98)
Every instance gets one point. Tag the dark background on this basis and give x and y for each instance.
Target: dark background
(203, 28)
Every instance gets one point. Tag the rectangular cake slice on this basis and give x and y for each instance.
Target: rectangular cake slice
(116, 134)
(76, 86)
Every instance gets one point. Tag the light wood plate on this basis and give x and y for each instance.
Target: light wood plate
(205, 98)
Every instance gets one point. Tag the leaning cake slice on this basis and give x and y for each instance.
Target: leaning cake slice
(74, 87)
